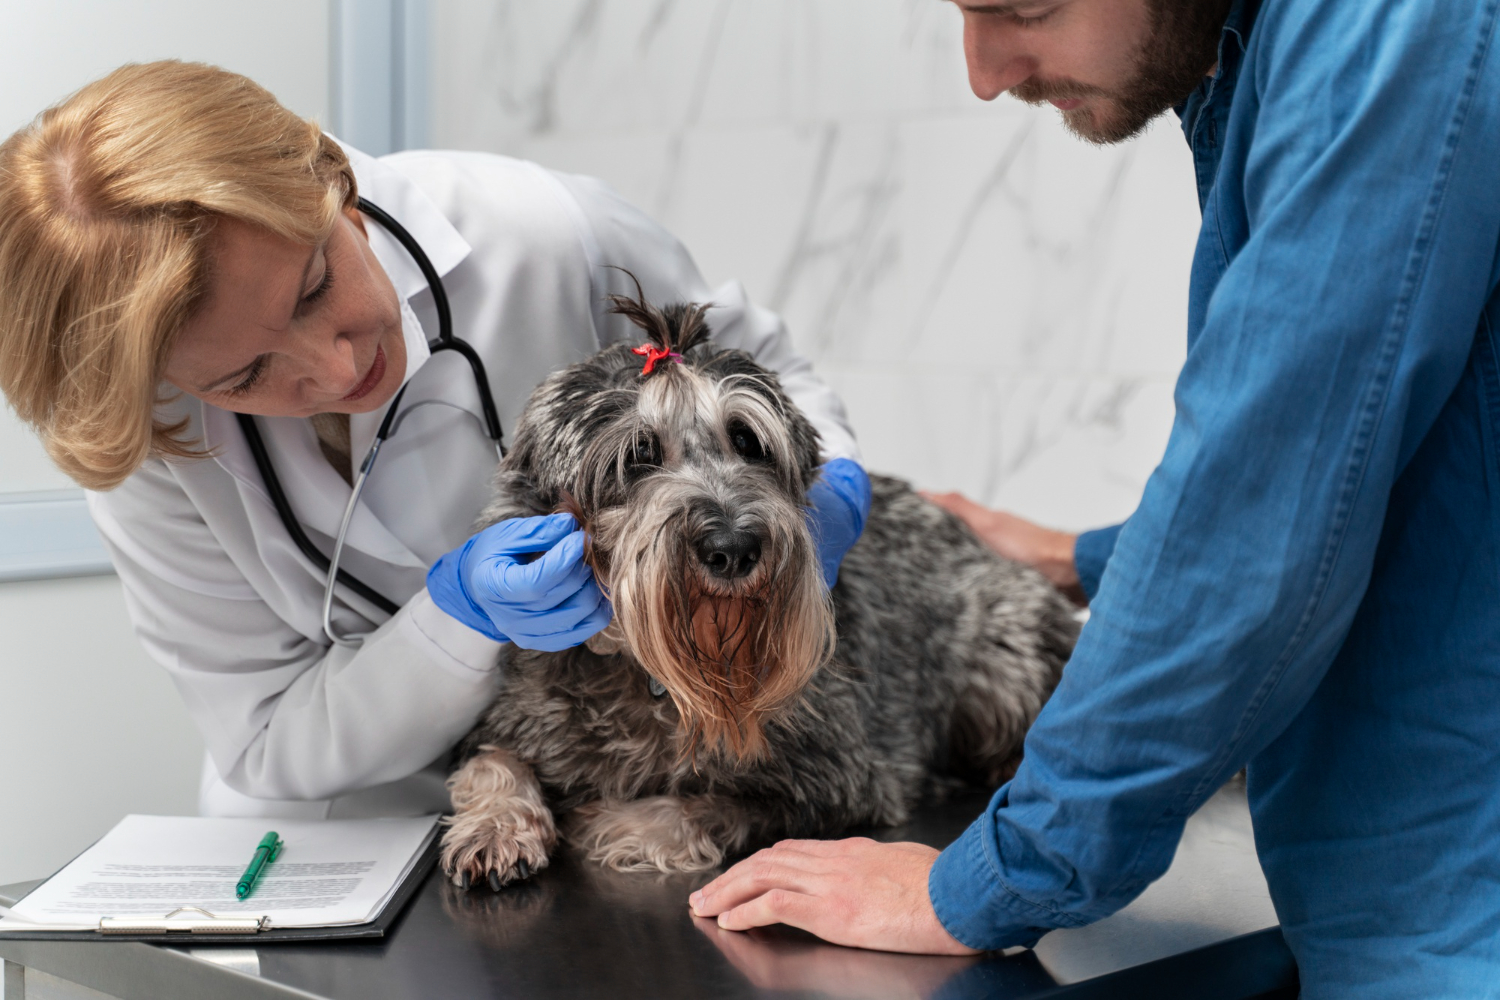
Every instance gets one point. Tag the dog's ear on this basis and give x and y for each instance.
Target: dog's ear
(513, 494)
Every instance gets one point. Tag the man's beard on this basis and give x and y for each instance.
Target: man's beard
(1180, 48)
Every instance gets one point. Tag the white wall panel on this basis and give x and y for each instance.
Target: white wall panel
(90, 729)
(1002, 306)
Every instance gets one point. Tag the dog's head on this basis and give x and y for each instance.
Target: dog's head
(689, 468)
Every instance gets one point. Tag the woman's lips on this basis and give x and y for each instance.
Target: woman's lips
(372, 378)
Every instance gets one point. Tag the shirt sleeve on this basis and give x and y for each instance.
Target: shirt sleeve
(1091, 552)
(619, 235)
(1335, 336)
(285, 716)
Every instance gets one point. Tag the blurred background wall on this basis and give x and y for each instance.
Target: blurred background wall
(90, 729)
(1001, 306)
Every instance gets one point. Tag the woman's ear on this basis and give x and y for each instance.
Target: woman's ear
(354, 215)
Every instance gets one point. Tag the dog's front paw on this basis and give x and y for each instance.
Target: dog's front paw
(495, 849)
(662, 833)
(502, 830)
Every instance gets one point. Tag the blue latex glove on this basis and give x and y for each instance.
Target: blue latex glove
(498, 585)
(838, 503)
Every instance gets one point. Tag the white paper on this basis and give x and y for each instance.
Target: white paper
(330, 872)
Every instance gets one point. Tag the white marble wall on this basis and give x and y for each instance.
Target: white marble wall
(1001, 306)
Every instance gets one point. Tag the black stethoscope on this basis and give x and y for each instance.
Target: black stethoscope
(445, 341)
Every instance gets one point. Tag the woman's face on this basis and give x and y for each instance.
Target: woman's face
(287, 330)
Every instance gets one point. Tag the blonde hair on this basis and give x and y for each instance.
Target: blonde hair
(108, 203)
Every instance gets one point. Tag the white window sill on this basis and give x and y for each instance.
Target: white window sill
(49, 534)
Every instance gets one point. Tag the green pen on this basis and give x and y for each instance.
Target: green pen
(267, 851)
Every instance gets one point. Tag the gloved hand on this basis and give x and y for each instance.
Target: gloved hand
(838, 503)
(496, 584)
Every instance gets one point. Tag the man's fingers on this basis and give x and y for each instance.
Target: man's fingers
(797, 865)
(777, 906)
(852, 892)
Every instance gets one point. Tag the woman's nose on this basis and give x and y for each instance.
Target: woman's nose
(996, 60)
(330, 365)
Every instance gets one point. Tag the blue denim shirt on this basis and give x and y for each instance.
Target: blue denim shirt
(1311, 583)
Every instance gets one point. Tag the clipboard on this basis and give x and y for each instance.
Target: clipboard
(238, 930)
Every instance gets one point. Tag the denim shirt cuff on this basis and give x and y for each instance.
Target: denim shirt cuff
(973, 904)
(1090, 555)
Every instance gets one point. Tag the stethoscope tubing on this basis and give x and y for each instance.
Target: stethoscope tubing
(445, 341)
(294, 528)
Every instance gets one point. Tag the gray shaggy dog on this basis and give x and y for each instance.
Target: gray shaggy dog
(734, 700)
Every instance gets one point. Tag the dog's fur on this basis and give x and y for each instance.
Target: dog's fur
(787, 711)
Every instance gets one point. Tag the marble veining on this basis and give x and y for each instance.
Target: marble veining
(1001, 305)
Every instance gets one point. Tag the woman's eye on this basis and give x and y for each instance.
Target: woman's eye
(253, 376)
(322, 288)
(746, 444)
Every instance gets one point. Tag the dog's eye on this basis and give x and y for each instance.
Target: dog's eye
(746, 444)
(643, 454)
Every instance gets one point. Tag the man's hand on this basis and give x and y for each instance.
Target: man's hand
(852, 892)
(1044, 550)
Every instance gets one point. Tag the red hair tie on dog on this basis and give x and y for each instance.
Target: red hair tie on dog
(653, 354)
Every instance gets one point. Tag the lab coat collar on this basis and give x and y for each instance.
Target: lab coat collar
(399, 197)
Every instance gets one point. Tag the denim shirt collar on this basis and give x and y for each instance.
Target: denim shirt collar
(1205, 113)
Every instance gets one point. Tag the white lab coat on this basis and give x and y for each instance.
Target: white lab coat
(222, 598)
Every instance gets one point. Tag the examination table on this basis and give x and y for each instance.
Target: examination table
(1205, 930)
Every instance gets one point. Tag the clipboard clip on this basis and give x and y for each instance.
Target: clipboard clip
(208, 923)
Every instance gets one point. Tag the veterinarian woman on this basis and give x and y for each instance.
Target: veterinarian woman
(176, 249)
(1311, 583)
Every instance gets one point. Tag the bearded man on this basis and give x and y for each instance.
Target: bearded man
(1311, 583)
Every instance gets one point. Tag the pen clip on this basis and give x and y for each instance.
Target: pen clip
(275, 850)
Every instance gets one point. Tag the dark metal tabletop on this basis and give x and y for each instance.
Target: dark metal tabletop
(578, 931)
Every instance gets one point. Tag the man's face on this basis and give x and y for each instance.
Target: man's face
(1110, 66)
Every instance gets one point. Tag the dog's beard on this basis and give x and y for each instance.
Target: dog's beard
(732, 655)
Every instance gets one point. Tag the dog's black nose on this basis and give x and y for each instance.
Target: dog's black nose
(729, 553)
